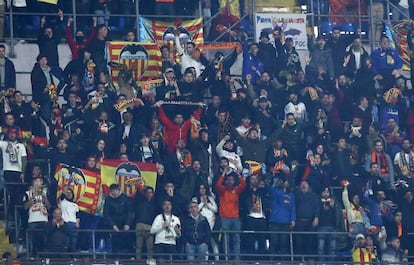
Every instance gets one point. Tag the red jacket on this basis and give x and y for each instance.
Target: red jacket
(174, 132)
(74, 46)
(229, 198)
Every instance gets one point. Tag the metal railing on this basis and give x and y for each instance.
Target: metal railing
(225, 254)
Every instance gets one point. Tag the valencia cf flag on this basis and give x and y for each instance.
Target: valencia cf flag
(128, 175)
(86, 186)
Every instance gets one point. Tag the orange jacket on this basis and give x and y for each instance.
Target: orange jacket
(229, 198)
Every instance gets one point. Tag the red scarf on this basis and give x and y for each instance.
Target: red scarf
(381, 158)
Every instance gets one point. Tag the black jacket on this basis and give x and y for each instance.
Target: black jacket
(10, 75)
(117, 211)
(195, 232)
(145, 210)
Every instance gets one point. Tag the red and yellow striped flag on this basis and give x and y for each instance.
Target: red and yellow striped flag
(86, 186)
(144, 59)
(128, 174)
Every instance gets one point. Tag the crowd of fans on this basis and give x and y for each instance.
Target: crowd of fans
(257, 153)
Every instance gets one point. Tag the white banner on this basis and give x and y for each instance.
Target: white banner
(292, 25)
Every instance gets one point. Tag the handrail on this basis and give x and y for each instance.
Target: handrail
(291, 256)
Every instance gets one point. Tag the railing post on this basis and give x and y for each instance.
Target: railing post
(373, 28)
(137, 19)
(74, 17)
(93, 244)
(388, 12)
(291, 246)
(12, 53)
(27, 243)
(6, 203)
(226, 250)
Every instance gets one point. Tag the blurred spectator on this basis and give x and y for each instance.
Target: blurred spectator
(48, 40)
(36, 203)
(7, 71)
(58, 233)
(145, 208)
(320, 58)
(267, 52)
(102, 9)
(79, 43)
(97, 48)
(386, 63)
(384, 160)
(166, 227)
(195, 233)
(118, 216)
(229, 197)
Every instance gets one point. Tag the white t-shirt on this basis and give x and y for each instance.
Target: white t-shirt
(35, 212)
(69, 210)
(20, 152)
(164, 235)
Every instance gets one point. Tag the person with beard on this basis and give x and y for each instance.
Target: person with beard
(227, 148)
(297, 108)
(241, 105)
(209, 116)
(386, 64)
(253, 146)
(97, 48)
(22, 112)
(354, 58)
(307, 218)
(384, 161)
(340, 161)
(7, 71)
(268, 84)
(361, 254)
(189, 88)
(267, 52)
(79, 42)
(394, 136)
(282, 216)
(404, 162)
(77, 66)
(321, 57)
(288, 57)
(42, 82)
(292, 137)
(229, 197)
(254, 209)
(330, 219)
(70, 216)
(48, 40)
(203, 151)
(363, 111)
(374, 182)
(178, 128)
(315, 174)
(118, 216)
(332, 104)
(338, 44)
(252, 65)
(364, 84)
(178, 162)
(145, 208)
(356, 138)
(265, 117)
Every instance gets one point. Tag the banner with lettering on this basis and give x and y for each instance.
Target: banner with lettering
(292, 25)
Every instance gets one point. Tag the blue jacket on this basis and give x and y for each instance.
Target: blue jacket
(282, 205)
(379, 61)
(376, 216)
(250, 60)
